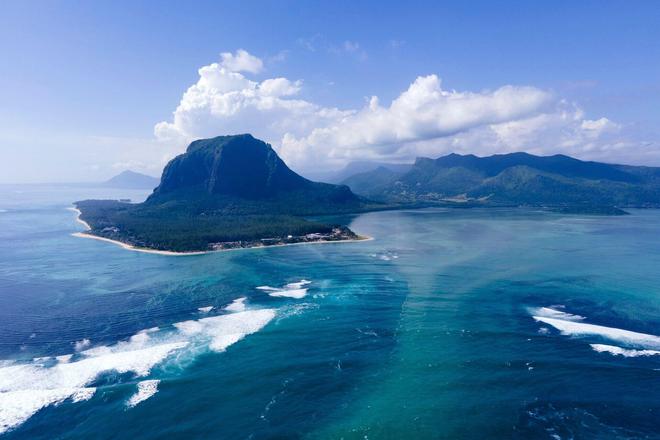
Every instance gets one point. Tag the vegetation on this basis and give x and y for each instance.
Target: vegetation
(559, 182)
(163, 229)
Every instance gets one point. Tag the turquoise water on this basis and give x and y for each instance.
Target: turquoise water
(465, 324)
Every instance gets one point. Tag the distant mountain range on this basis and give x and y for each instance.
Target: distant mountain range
(513, 179)
(131, 180)
(357, 167)
(224, 192)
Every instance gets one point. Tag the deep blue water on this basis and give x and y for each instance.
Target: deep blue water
(465, 324)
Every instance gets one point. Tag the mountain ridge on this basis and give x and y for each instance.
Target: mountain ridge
(515, 179)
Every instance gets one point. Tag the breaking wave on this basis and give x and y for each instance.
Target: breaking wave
(145, 389)
(636, 344)
(26, 388)
(291, 290)
(625, 352)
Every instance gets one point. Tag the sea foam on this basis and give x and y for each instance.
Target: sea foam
(290, 290)
(26, 388)
(145, 389)
(18, 406)
(225, 330)
(290, 293)
(572, 325)
(238, 305)
(625, 352)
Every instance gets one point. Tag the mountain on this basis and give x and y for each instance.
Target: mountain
(241, 170)
(359, 167)
(372, 183)
(228, 191)
(514, 179)
(131, 180)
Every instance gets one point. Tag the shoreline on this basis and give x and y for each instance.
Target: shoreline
(78, 219)
(191, 253)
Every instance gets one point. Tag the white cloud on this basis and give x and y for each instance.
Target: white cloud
(241, 61)
(224, 101)
(424, 111)
(425, 119)
(279, 87)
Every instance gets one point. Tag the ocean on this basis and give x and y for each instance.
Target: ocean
(449, 324)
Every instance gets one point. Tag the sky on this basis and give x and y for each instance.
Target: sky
(89, 89)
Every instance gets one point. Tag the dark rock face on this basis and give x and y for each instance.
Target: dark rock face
(241, 168)
(239, 165)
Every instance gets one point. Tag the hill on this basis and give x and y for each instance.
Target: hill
(556, 181)
(358, 167)
(225, 192)
(131, 180)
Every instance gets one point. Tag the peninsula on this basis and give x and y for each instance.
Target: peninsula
(224, 193)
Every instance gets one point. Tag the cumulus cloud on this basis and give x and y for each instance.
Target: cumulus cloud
(241, 61)
(424, 111)
(425, 119)
(225, 101)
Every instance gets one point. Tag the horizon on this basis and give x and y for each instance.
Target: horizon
(323, 95)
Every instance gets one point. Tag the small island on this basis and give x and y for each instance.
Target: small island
(228, 192)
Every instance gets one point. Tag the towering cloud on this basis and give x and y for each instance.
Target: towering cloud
(425, 119)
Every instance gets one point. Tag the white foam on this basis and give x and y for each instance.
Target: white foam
(298, 284)
(569, 324)
(238, 305)
(64, 359)
(18, 406)
(291, 293)
(225, 330)
(146, 389)
(205, 309)
(82, 344)
(290, 290)
(26, 388)
(625, 352)
(550, 312)
(189, 328)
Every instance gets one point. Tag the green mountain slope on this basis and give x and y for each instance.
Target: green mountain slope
(515, 179)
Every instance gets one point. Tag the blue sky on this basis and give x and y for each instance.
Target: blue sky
(84, 84)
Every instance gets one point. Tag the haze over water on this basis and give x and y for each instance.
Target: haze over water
(449, 324)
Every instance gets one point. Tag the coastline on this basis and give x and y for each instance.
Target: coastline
(184, 254)
(133, 248)
(78, 219)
